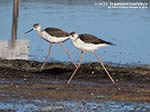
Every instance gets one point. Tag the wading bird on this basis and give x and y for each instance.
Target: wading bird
(53, 36)
(88, 43)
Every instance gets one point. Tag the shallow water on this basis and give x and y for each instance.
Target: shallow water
(128, 28)
(39, 104)
(25, 105)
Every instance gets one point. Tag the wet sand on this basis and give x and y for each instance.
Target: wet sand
(22, 80)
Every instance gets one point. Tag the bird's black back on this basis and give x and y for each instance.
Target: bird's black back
(88, 38)
(56, 32)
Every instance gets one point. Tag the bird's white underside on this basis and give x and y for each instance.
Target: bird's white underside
(52, 39)
(87, 47)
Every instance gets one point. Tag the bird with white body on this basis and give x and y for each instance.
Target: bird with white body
(53, 36)
(88, 43)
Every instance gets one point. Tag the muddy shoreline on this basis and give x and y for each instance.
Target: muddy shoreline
(88, 71)
(22, 80)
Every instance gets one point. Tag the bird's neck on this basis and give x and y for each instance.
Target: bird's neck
(39, 30)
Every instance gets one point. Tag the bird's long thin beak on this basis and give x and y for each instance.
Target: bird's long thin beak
(28, 31)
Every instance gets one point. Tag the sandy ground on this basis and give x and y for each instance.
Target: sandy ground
(22, 80)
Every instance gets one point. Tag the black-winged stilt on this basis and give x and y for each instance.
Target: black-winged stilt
(88, 43)
(53, 36)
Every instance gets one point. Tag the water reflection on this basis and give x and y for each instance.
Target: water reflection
(128, 28)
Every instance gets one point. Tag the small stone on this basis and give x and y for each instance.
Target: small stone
(92, 94)
(11, 84)
(1, 87)
(92, 72)
(17, 86)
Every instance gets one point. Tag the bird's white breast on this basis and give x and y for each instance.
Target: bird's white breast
(87, 47)
(52, 39)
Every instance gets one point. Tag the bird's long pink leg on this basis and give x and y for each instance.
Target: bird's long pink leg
(45, 60)
(75, 69)
(67, 52)
(103, 67)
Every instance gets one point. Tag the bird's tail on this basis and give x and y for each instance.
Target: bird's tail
(110, 43)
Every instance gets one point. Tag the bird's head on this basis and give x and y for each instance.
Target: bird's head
(36, 27)
(73, 35)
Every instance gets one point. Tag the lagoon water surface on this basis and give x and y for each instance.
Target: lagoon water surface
(128, 28)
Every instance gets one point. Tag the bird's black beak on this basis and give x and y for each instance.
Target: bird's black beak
(28, 31)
